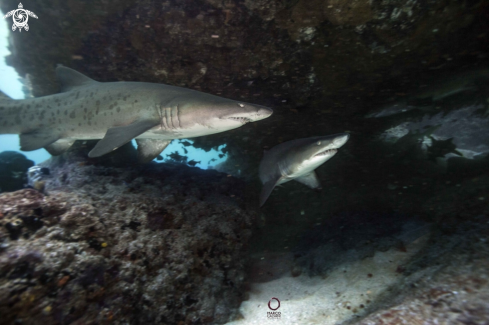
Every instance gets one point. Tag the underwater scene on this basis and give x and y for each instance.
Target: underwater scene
(244, 162)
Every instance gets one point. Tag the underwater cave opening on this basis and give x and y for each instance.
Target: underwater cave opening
(182, 151)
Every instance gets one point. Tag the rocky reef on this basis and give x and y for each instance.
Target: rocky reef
(155, 244)
(13, 169)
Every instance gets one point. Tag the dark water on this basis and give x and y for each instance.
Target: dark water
(397, 234)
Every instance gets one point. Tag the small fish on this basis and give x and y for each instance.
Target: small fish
(193, 163)
(186, 143)
(175, 156)
(440, 148)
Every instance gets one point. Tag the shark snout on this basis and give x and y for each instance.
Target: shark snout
(264, 112)
(340, 140)
(251, 114)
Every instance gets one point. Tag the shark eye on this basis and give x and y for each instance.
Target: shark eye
(241, 105)
(319, 143)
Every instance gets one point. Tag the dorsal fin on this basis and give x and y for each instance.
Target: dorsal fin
(70, 79)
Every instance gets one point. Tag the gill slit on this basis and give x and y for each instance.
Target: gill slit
(160, 113)
(173, 113)
(178, 116)
(167, 119)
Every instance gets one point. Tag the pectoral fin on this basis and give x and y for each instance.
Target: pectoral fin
(267, 189)
(60, 146)
(311, 180)
(118, 136)
(149, 149)
(36, 140)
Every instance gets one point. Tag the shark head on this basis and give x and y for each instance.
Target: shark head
(297, 160)
(310, 153)
(235, 114)
(207, 114)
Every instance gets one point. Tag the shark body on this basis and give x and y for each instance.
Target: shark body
(437, 90)
(117, 112)
(297, 160)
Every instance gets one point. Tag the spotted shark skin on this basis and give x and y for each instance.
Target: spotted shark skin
(117, 112)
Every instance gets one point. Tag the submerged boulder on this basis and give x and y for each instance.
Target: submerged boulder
(13, 168)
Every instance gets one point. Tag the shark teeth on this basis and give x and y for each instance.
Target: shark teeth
(323, 153)
(240, 119)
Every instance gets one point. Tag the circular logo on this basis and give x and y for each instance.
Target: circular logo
(271, 301)
(20, 17)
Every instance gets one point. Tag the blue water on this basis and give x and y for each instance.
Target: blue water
(195, 154)
(10, 84)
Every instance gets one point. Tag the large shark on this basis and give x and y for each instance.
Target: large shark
(297, 160)
(117, 112)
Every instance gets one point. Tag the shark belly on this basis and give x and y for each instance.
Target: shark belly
(298, 173)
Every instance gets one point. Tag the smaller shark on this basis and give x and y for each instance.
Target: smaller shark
(297, 160)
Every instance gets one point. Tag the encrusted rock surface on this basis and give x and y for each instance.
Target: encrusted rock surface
(160, 244)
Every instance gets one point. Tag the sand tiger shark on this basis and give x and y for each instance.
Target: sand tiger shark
(296, 160)
(117, 112)
(426, 98)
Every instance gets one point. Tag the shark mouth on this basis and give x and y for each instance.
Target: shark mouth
(243, 120)
(325, 152)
